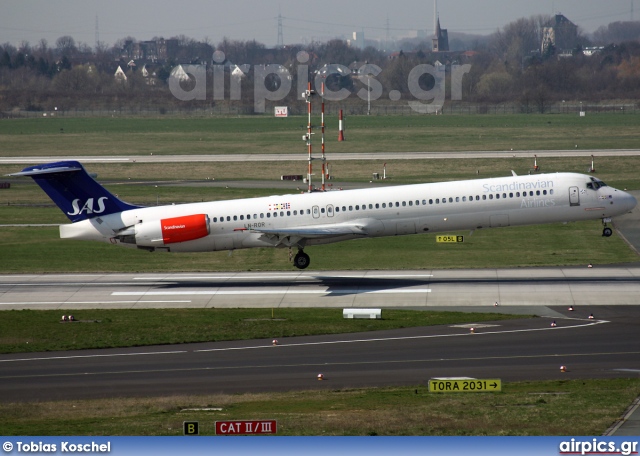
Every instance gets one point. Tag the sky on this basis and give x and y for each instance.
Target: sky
(302, 21)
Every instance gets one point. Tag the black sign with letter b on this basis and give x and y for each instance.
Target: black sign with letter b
(191, 428)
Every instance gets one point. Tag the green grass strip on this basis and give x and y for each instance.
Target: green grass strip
(557, 407)
(42, 330)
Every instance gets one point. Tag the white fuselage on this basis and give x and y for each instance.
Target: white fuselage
(385, 211)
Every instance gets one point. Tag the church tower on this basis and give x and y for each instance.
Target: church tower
(441, 39)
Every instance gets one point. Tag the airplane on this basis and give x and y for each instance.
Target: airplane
(301, 220)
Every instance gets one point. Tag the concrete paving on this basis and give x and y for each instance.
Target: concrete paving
(528, 288)
(629, 424)
(628, 225)
(296, 156)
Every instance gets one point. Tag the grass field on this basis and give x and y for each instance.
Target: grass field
(570, 407)
(265, 134)
(150, 184)
(38, 331)
(566, 407)
(573, 244)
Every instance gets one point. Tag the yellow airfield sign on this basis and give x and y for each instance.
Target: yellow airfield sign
(467, 385)
(449, 238)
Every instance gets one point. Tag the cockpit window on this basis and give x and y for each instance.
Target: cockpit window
(595, 184)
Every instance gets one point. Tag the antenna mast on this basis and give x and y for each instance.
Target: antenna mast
(435, 16)
(324, 159)
(280, 43)
(386, 45)
(97, 37)
(308, 94)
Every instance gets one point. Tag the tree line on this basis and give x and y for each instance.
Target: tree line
(505, 67)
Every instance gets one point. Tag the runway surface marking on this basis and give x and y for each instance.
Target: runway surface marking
(29, 160)
(323, 365)
(91, 302)
(71, 284)
(256, 277)
(93, 356)
(39, 276)
(265, 292)
(307, 344)
(283, 276)
(177, 279)
(432, 336)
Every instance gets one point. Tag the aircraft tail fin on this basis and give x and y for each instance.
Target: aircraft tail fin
(75, 192)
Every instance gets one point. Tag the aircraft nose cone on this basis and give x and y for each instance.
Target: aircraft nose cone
(631, 201)
(627, 201)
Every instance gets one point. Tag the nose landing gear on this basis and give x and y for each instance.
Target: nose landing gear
(606, 231)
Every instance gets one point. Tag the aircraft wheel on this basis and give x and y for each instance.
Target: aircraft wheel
(301, 260)
(607, 232)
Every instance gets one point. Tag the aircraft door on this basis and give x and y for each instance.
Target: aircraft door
(330, 210)
(574, 196)
(315, 211)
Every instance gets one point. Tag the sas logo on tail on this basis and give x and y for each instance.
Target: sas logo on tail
(88, 206)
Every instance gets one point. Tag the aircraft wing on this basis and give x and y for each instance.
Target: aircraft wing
(294, 235)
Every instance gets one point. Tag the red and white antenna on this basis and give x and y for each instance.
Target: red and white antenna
(324, 159)
(307, 94)
(309, 133)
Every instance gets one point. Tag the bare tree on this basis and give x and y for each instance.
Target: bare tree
(66, 45)
(25, 47)
(76, 80)
(617, 32)
(518, 38)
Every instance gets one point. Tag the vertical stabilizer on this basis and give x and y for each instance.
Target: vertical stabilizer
(75, 192)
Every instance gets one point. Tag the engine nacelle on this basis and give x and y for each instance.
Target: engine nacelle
(172, 230)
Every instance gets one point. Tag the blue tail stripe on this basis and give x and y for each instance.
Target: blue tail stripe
(75, 192)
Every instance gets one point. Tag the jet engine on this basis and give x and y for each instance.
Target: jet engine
(172, 230)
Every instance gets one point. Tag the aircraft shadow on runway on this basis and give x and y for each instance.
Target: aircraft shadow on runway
(358, 285)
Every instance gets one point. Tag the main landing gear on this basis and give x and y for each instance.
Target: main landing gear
(606, 231)
(301, 260)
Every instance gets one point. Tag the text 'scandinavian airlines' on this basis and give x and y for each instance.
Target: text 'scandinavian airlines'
(307, 219)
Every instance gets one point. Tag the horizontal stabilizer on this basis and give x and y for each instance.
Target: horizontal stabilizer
(37, 171)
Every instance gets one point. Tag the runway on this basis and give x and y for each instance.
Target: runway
(529, 349)
(513, 350)
(482, 288)
(537, 288)
(604, 347)
(334, 156)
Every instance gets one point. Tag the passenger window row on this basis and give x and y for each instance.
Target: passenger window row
(391, 204)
